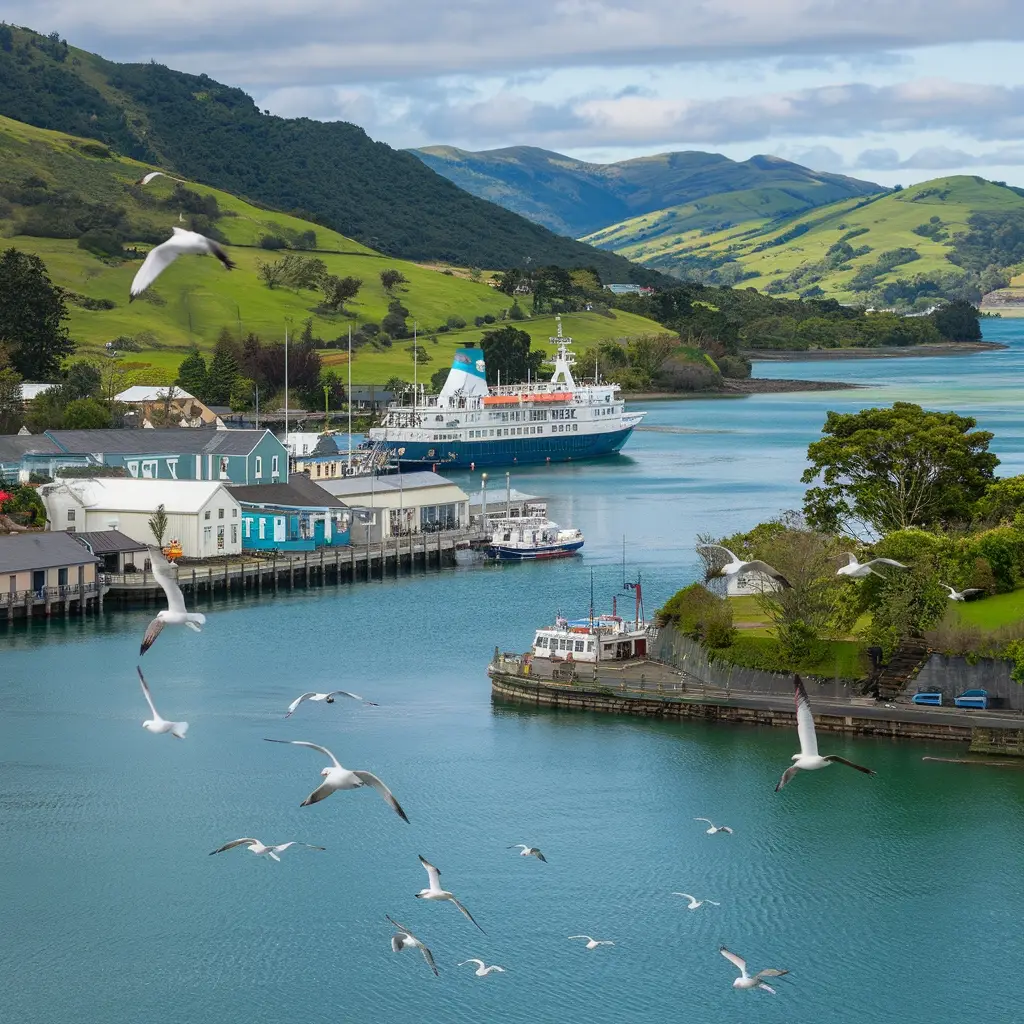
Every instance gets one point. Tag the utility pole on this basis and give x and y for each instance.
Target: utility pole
(286, 381)
(350, 398)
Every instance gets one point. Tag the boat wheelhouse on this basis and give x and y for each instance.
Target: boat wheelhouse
(532, 537)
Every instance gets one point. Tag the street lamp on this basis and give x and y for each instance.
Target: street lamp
(327, 411)
(483, 496)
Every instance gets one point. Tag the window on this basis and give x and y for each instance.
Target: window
(590, 646)
(71, 515)
(234, 513)
(220, 513)
(207, 534)
(542, 641)
(220, 538)
(62, 577)
(579, 646)
(234, 533)
(263, 528)
(274, 465)
(248, 528)
(206, 514)
(259, 467)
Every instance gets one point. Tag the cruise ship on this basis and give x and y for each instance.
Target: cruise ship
(469, 425)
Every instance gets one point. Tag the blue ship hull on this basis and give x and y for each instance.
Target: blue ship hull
(508, 451)
(504, 554)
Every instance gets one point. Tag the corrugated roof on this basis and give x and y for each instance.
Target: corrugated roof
(30, 390)
(172, 441)
(114, 494)
(388, 482)
(104, 541)
(299, 492)
(14, 446)
(150, 393)
(22, 551)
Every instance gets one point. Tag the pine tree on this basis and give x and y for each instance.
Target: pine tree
(220, 379)
(192, 374)
(158, 524)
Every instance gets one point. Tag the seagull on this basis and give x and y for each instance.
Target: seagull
(260, 849)
(714, 828)
(147, 178)
(809, 759)
(738, 567)
(175, 615)
(156, 723)
(593, 943)
(481, 970)
(747, 981)
(404, 939)
(336, 778)
(528, 851)
(960, 595)
(694, 902)
(858, 571)
(160, 257)
(435, 892)
(328, 697)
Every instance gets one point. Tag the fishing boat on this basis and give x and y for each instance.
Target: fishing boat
(470, 425)
(532, 537)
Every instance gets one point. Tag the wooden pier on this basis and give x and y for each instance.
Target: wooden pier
(77, 599)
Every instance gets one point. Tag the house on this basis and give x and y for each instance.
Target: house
(296, 516)
(369, 397)
(201, 514)
(237, 456)
(169, 406)
(30, 391)
(629, 289)
(116, 551)
(747, 583)
(46, 568)
(21, 455)
(420, 502)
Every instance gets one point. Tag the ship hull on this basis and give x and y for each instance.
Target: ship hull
(511, 451)
(509, 554)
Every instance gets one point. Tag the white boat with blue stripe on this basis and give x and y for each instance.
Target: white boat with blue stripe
(470, 425)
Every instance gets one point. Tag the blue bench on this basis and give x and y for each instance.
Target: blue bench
(932, 698)
(972, 699)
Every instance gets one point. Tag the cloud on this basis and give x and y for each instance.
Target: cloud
(272, 44)
(939, 158)
(821, 158)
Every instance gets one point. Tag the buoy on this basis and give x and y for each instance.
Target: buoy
(472, 466)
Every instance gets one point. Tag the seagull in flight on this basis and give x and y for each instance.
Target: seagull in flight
(160, 257)
(528, 851)
(737, 567)
(156, 723)
(175, 615)
(694, 902)
(336, 777)
(746, 980)
(960, 595)
(261, 849)
(713, 827)
(481, 970)
(857, 570)
(404, 939)
(435, 892)
(593, 943)
(147, 178)
(326, 697)
(809, 759)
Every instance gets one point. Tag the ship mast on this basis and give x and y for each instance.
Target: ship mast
(564, 359)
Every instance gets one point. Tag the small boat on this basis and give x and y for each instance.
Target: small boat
(466, 554)
(517, 539)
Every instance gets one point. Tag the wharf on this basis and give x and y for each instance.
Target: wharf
(656, 690)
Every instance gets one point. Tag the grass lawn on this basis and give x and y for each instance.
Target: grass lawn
(843, 659)
(993, 612)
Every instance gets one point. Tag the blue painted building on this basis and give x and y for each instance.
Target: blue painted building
(21, 455)
(244, 457)
(296, 516)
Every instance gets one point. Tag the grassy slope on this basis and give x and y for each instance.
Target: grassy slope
(889, 221)
(993, 612)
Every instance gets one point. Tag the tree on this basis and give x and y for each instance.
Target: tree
(32, 312)
(221, 377)
(86, 414)
(11, 404)
(507, 353)
(271, 274)
(1001, 502)
(394, 323)
(158, 524)
(437, 379)
(83, 380)
(192, 374)
(339, 290)
(889, 469)
(391, 278)
(957, 321)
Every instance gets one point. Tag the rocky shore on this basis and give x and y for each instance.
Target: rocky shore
(736, 388)
(946, 348)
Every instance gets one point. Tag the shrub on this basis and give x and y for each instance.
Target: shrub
(101, 242)
(273, 242)
(455, 323)
(736, 367)
(699, 614)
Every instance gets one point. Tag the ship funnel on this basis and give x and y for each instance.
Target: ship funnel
(468, 376)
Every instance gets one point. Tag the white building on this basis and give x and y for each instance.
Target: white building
(747, 584)
(201, 514)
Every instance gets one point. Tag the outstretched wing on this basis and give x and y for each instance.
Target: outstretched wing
(166, 579)
(344, 693)
(717, 547)
(298, 700)
(216, 250)
(322, 792)
(758, 566)
(804, 719)
(157, 260)
(770, 972)
(248, 841)
(787, 776)
(466, 913)
(886, 561)
(312, 746)
(152, 632)
(972, 590)
(738, 962)
(842, 760)
(428, 956)
(433, 875)
(371, 780)
(540, 856)
(145, 691)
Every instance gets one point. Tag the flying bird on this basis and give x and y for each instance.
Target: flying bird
(960, 595)
(593, 943)
(713, 827)
(481, 970)
(737, 567)
(435, 892)
(261, 849)
(147, 178)
(326, 697)
(175, 615)
(160, 257)
(528, 851)
(809, 759)
(694, 902)
(746, 980)
(404, 939)
(156, 723)
(858, 571)
(336, 777)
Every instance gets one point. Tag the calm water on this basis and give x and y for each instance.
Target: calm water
(897, 898)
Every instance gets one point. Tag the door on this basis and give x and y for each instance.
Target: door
(279, 531)
(39, 581)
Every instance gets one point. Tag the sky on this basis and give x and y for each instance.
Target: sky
(895, 91)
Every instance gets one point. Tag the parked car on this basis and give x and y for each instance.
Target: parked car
(972, 699)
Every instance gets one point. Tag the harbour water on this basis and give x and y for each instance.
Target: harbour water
(893, 898)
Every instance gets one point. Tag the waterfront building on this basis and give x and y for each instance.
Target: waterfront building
(202, 515)
(296, 516)
(237, 456)
(116, 551)
(42, 568)
(405, 503)
(22, 455)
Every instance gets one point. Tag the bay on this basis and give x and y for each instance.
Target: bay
(894, 898)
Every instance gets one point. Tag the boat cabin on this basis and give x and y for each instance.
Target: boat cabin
(605, 638)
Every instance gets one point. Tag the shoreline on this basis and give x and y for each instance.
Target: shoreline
(735, 387)
(946, 348)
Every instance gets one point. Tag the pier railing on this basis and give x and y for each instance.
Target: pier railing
(72, 591)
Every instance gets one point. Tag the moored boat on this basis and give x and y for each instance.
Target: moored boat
(532, 537)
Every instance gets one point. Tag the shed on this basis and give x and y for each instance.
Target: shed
(296, 516)
(37, 563)
(116, 551)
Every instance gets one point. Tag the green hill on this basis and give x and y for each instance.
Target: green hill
(933, 239)
(577, 198)
(208, 132)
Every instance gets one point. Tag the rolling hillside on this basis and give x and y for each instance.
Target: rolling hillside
(576, 198)
(856, 250)
(208, 132)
